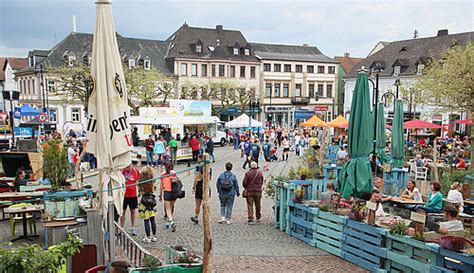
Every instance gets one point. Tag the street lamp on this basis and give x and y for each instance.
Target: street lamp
(87, 80)
(376, 69)
(11, 96)
(397, 85)
(252, 104)
(39, 69)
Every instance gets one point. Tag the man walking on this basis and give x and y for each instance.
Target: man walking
(253, 184)
(247, 149)
(194, 144)
(149, 146)
(227, 188)
(173, 150)
(132, 176)
(210, 148)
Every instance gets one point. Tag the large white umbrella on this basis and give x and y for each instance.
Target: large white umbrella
(108, 127)
(243, 121)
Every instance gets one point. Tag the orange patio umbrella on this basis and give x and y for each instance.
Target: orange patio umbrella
(313, 121)
(339, 122)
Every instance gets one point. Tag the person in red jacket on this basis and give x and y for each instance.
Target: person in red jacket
(194, 144)
(253, 184)
(132, 176)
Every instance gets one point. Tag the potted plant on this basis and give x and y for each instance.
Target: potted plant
(55, 165)
(187, 258)
(358, 211)
(397, 226)
(150, 264)
(299, 194)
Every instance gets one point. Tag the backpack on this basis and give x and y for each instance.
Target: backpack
(226, 184)
(149, 200)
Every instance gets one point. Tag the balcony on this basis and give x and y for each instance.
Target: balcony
(300, 100)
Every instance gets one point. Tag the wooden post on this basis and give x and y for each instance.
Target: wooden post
(435, 165)
(206, 218)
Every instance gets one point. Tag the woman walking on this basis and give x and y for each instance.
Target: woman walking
(166, 192)
(286, 149)
(159, 151)
(198, 188)
(228, 188)
(253, 184)
(146, 209)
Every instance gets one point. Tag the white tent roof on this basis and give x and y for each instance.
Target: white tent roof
(243, 121)
(168, 120)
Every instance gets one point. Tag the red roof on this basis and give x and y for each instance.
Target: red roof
(419, 124)
(17, 63)
(348, 63)
(2, 64)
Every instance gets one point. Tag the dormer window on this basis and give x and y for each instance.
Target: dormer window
(396, 70)
(236, 51)
(131, 63)
(198, 48)
(71, 60)
(211, 48)
(147, 64)
(247, 52)
(419, 69)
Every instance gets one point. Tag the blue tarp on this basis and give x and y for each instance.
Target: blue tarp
(27, 110)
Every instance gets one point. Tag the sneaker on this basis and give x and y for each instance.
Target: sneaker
(258, 220)
(251, 222)
(228, 222)
(221, 221)
(147, 240)
(195, 220)
(153, 238)
(173, 227)
(133, 232)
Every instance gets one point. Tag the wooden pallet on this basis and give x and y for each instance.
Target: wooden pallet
(364, 245)
(405, 254)
(460, 262)
(302, 230)
(328, 232)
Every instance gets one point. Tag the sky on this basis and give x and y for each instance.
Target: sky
(334, 26)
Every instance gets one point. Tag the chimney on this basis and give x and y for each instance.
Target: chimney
(347, 55)
(219, 28)
(442, 32)
(74, 29)
(305, 44)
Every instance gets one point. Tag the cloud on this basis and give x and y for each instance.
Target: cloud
(6, 51)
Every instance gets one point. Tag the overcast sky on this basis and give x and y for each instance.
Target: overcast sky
(333, 26)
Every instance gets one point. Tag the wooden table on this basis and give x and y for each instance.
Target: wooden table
(469, 202)
(406, 201)
(19, 195)
(24, 211)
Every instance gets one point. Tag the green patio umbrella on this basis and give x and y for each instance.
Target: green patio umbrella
(398, 142)
(356, 174)
(381, 138)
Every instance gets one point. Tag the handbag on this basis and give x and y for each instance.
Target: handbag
(245, 193)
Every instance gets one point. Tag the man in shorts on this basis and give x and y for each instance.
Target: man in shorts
(132, 176)
(266, 154)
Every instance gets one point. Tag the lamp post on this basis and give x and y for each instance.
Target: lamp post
(397, 85)
(11, 96)
(87, 85)
(375, 97)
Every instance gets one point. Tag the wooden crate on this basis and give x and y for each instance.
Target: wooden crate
(405, 254)
(459, 262)
(364, 245)
(328, 232)
(302, 230)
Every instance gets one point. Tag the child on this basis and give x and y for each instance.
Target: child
(146, 209)
(273, 154)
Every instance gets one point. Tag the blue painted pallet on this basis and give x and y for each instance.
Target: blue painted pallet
(328, 232)
(460, 262)
(301, 229)
(303, 211)
(364, 245)
(409, 255)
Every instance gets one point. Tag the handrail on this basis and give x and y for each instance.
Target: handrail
(134, 251)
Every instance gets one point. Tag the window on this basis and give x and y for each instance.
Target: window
(52, 115)
(331, 70)
(213, 70)
(76, 115)
(242, 71)
(71, 60)
(277, 67)
(320, 89)
(221, 70)
(131, 63)
(396, 70)
(232, 71)
(267, 67)
(236, 51)
(203, 70)
(311, 90)
(277, 90)
(184, 69)
(298, 90)
(268, 89)
(252, 72)
(299, 68)
(194, 68)
(419, 69)
(329, 90)
(286, 91)
(287, 67)
(310, 68)
(198, 48)
(247, 51)
(320, 69)
(147, 64)
(51, 85)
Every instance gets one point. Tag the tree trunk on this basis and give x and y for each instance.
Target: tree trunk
(472, 141)
(435, 165)
(206, 218)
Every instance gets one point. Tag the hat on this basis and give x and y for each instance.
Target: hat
(456, 185)
(253, 165)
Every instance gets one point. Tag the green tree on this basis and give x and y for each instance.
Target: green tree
(413, 95)
(448, 82)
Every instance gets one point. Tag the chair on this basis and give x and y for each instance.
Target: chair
(14, 218)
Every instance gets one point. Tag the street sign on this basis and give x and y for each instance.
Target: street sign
(323, 108)
(42, 117)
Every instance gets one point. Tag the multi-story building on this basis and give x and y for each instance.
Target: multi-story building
(401, 63)
(296, 83)
(346, 64)
(7, 75)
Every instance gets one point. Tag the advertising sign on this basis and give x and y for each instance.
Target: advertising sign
(322, 108)
(179, 108)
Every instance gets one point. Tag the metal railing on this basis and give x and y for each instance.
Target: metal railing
(134, 251)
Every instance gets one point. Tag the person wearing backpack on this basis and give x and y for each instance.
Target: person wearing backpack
(256, 151)
(198, 188)
(227, 188)
(266, 154)
(146, 208)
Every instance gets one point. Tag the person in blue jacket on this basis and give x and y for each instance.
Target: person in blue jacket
(435, 201)
(227, 188)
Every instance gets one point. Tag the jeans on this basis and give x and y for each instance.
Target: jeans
(149, 158)
(227, 203)
(173, 152)
(72, 169)
(254, 197)
(236, 144)
(150, 223)
(211, 155)
(195, 155)
(159, 160)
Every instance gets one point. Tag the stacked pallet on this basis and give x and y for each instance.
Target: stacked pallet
(328, 232)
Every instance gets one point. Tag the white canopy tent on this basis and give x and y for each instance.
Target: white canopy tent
(243, 121)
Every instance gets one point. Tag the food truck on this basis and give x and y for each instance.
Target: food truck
(182, 117)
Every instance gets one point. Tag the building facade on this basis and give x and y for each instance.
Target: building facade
(346, 64)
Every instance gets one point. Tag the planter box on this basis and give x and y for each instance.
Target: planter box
(301, 222)
(364, 245)
(328, 232)
(191, 268)
(171, 253)
(459, 262)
